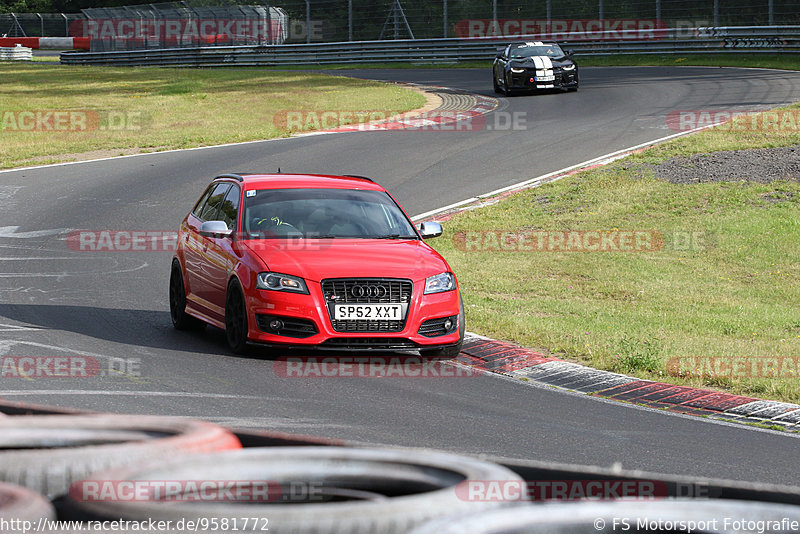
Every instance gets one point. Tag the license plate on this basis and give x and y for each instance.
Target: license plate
(545, 78)
(369, 312)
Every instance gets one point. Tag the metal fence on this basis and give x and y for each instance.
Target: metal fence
(780, 39)
(363, 20)
(163, 25)
(310, 21)
(179, 24)
(37, 24)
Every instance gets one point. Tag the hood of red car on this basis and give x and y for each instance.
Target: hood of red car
(317, 259)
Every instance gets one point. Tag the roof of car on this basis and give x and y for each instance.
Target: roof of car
(534, 43)
(252, 180)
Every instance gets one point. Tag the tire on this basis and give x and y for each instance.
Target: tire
(455, 350)
(46, 453)
(177, 301)
(235, 318)
(23, 504)
(592, 517)
(357, 490)
(506, 90)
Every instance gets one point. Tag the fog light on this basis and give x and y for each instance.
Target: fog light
(276, 325)
(448, 324)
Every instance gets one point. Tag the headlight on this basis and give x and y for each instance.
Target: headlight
(440, 283)
(571, 66)
(281, 282)
(517, 71)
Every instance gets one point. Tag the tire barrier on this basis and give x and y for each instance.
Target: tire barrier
(707, 516)
(23, 504)
(47, 453)
(312, 489)
(324, 485)
(16, 53)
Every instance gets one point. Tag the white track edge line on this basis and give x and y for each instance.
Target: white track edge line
(600, 160)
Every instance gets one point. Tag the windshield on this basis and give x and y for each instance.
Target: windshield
(525, 50)
(323, 213)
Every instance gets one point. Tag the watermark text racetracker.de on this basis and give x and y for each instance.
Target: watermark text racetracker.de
(210, 491)
(40, 367)
(560, 30)
(122, 240)
(167, 241)
(400, 366)
(611, 240)
(471, 120)
(735, 367)
(561, 490)
(73, 120)
(178, 29)
(779, 120)
(208, 30)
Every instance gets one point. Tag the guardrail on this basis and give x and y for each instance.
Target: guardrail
(16, 53)
(774, 39)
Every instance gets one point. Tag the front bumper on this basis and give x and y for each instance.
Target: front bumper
(527, 80)
(305, 321)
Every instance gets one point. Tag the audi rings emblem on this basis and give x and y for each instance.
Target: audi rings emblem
(368, 291)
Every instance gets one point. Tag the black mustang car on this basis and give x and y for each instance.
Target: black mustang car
(534, 65)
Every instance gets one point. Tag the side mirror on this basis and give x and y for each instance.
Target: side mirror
(430, 229)
(215, 229)
(569, 52)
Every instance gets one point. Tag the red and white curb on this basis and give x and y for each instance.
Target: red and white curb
(47, 43)
(434, 120)
(510, 360)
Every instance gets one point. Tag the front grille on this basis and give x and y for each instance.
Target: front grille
(290, 326)
(367, 291)
(368, 343)
(435, 327)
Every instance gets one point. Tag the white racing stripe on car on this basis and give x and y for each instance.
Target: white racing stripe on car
(547, 63)
(537, 61)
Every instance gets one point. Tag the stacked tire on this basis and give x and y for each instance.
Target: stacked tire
(47, 453)
(353, 491)
(22, 504)
(671, 515)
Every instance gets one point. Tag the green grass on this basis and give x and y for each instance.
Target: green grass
(779, 428)
(732, 293)
(767, 60)
(173, 108)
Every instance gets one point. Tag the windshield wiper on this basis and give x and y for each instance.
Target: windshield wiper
(395, 236)
(322, 236)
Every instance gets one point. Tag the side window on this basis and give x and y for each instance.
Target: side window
(209, 210)
(230, 207)
(198, 208)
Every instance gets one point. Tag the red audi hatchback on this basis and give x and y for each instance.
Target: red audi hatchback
(329, 262)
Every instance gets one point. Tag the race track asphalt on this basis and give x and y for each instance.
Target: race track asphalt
(57, 302)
